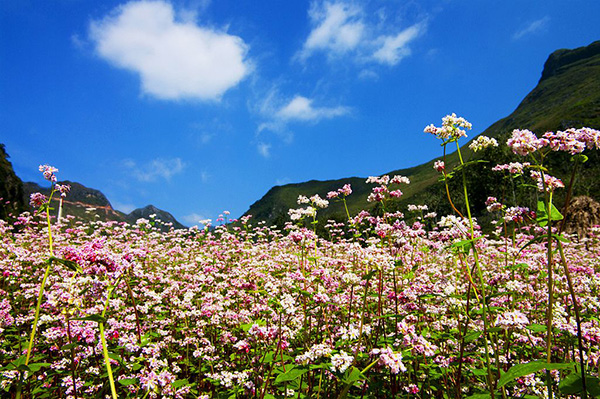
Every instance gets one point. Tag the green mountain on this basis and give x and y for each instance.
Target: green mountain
(90, 204)
(567, 95)
(11, 187)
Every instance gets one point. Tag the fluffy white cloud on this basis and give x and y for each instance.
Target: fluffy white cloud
(175, 59)
(194, 219)
(394, 48)
(125, 208)
(341, 28)
(300, 108)
(264, 149)
(155, 169)
(337, 27)
(536, 26)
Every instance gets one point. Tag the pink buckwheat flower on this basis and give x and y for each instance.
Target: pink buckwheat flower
(525, 142)
(451, 128)
(64, 189)
(551, 182)
(482, 142)
(37, 199)
(439, 166)
(48, 172)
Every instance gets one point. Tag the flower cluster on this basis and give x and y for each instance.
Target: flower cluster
(48, 172)
(546, 183)
(483, 142)
(390, 359)
(341, 361)
(573, 141)
(439, 165)
(382, 191)
(451, 128)
(514, 168)
(345, 191)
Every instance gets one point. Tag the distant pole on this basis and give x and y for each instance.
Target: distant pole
(60, 210)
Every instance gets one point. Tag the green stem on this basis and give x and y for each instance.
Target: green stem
(577, 318)
(39, 300)
(105, 347)
(490, 378)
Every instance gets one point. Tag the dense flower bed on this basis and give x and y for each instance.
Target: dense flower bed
(255, 312)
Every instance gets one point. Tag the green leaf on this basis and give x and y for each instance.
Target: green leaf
(520, 370)
(128, 381)
(116, 357)
(33, 367)
(579, 158)
(542, 216)
(573, 384)
(536, 327)
(290, 375)
(472, 336)
(480, 396)
(69, 264)
(180, 383)
(352, 375)
(93, 317)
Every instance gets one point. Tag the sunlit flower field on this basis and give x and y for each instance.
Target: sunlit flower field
(388, 305)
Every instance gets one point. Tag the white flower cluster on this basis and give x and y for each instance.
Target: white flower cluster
(514, 319)
(390, 359)
(228, 378)
(416, 208)
(315, 352)
(341, 361)
(482, 142)
(450, 129)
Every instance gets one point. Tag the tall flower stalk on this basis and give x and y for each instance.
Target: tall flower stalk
(453, 128)
(40, 201)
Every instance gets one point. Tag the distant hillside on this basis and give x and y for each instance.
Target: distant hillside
(567, 95)
(89, 204)
(11, 187)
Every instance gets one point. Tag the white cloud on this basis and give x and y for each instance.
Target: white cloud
(344, 28)
(300, 108)
(264, 149)
(280, 113)
(155, 169)
(125, 208)
(394, 48)
(337, 27)
(175, 59)
(193, 219)
(536, 26)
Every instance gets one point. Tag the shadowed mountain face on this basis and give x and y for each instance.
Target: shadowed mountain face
(89, 204)
(11, 187)
(567, 95)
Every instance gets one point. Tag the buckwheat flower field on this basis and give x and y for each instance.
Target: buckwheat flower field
(385, 307)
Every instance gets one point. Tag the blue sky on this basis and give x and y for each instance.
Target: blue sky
(199, 106)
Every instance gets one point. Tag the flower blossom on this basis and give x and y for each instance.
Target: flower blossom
(37, 199)
(48, 172)
(483, 142)
(567, 141)
(524, 142)
(451, 128)
(439, 166)
(64, 189)
(390, 359)
(341, 361)
(549, 183)
(512, 168)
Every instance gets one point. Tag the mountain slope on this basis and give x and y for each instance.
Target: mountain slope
(89, 204)
(11, 187)
(567, 95)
